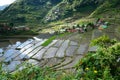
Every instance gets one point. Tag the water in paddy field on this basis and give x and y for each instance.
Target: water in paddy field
(8, 52)
(5, 46)
(14, 50)
(7, 49)
(7, 42)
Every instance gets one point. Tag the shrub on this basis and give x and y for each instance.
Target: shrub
(103, 64)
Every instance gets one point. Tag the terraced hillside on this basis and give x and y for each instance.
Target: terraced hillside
(61, 54)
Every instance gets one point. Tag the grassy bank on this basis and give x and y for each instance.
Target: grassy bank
(46, 43)
(49, 41)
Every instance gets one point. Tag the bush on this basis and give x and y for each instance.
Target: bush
(102, 65)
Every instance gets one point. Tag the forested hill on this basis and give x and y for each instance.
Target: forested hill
(27, 11)
(43, 11)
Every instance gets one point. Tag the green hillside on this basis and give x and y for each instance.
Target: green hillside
(109, 9)
(39, 12)
(27, 11)
(74, 8)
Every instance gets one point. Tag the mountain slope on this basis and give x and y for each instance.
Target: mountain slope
(77, 8)
(43, 11)
(109, 9)
(3, 7)
(28, 11)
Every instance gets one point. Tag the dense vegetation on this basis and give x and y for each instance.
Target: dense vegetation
(109, 8)
(6, 29)
(104, 64)
(27, 11)
(36, 12)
